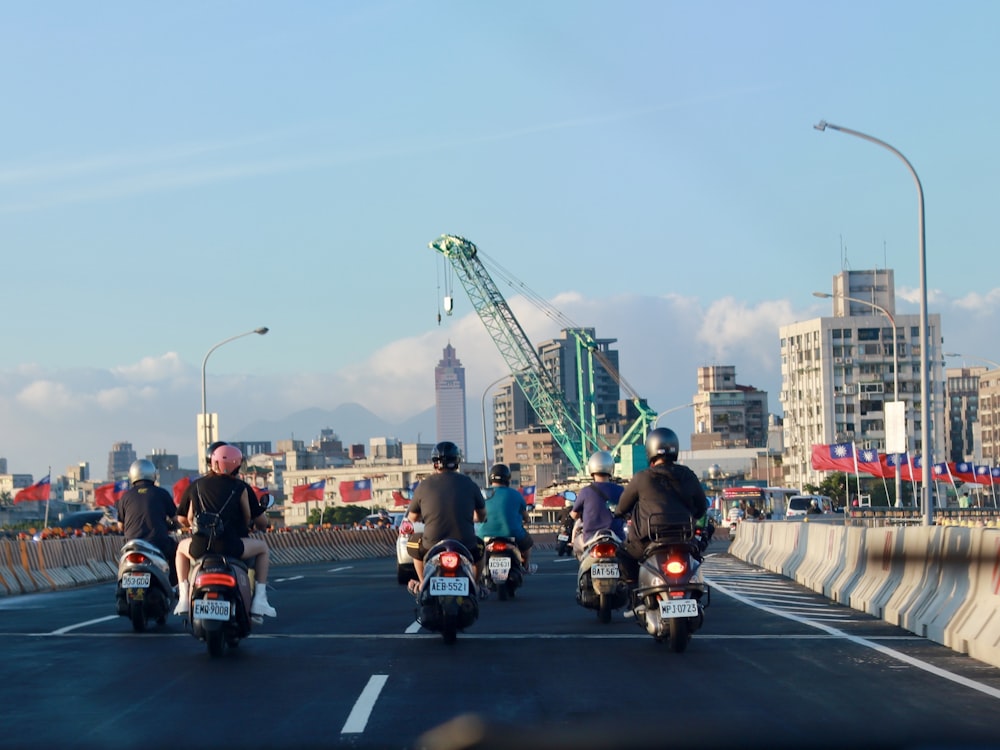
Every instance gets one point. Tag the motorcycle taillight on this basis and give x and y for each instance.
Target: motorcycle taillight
(215, 579)
(498, 546)
(603, 550)
(449, 560)
(136, 558)
(675, 566)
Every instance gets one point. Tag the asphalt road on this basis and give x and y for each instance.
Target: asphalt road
(344, 665)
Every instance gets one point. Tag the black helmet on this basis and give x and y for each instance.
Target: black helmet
(662, 442)
(446, 455)
(500, 474)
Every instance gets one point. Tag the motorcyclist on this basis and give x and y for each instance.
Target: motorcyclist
(735, 513)
(814, 508)
(665, 487)
(507, 514)
(222, 491)
(146, 511)
(449, 503)
(594, 502)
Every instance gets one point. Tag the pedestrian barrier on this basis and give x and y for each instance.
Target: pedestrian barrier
(940, 582)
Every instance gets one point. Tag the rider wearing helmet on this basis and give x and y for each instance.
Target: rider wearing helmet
(148, 512)
(449, 503)
(664, 487)
(507, 514)
(594, 502)
(221, 491)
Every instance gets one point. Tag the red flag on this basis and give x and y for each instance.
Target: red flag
(963, 471)
(179, 486)
(306, 492)
(355, 492)
(38, 491)
(110, 493)
(399, 499)
(260, 492)
(836, 457)
(869, 462)
(529, 494)
(913, 471)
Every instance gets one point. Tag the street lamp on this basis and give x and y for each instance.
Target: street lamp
(656, 421)
(990, 362)
(206, 433)
(925, 396)
(895, 374)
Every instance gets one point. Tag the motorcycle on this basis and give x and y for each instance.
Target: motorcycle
(670, 596)
(503, 567)
(564, 538)
(448, 600)
(221, 594)
(143, 591)
(600, 579)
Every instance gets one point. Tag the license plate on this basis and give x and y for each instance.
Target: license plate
(449, 586)
(563, 537)
(500, 568)
(135, 581)
(671, 608)
(211, 609)
(604, 570)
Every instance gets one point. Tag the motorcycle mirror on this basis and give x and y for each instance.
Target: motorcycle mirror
(267, 501)
(570, 495)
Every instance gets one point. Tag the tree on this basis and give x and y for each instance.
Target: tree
(834, 486)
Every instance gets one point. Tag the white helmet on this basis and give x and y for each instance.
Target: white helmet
(601, 462)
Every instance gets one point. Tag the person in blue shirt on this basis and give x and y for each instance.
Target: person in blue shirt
(594, 502)
(506, 515)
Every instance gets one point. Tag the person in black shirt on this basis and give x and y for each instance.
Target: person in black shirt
(148, 512)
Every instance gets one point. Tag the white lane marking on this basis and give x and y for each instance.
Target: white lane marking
(358, 718)
(564, 559)
(337, 570)
(864, 643)
(63, 631)
(414, 627)
(282, 580)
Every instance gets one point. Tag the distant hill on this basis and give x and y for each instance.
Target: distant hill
(351, 422)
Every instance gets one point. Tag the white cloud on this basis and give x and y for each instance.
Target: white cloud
(153, 369)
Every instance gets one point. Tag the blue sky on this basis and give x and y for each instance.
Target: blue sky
(173, 175)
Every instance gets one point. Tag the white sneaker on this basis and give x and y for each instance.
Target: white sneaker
(259, 606)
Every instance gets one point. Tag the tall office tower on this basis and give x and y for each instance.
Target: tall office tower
(726, 414)
(119, 460)
(837, 375)
(449, 397)
(963, 440)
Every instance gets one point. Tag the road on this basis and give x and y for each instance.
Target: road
(344, 665)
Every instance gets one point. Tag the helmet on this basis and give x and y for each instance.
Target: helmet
(226, 459)
(601, 462)
(662, 442)
(815, 503)
(446, 455)
(140, 470)
(500, 474)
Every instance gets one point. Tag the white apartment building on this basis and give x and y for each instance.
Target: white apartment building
(837, 374)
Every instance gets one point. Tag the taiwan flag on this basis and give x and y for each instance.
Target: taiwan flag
(964, 471)
(983, 475)
(38, 491)
(356, 492)
(941, 472)
(110, 493)
(912, 471)
(869, 462)
(891, 464)
(529, 494)
(836, 457)
(399, 499)
(306, 492)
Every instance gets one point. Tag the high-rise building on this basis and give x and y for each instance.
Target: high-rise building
(962, 435)
(449, 397)
(989, 416)
(119, 460)
(726, 414)
(837, 375)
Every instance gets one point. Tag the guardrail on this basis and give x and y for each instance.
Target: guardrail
(940, 582)
(911, 516)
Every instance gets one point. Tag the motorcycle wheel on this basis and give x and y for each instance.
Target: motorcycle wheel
(449, 628)
(216, 643)
(680, 634)
(604, 611)
(137, 616)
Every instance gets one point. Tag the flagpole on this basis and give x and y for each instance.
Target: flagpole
(47, 498)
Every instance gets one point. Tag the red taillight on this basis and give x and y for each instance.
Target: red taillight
(449, 560)
(498, 546)
(406, 527)
(677, 594)
(136, 558)
(603, 550)
(675, 566)
(215, 579)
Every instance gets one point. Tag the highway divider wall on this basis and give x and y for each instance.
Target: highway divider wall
(940, 582)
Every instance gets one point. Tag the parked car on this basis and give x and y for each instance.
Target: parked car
(405, 572)
(798, 505)
(375, 518)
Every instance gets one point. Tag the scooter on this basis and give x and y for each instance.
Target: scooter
(503, 567)
(600, 579)
(221, 595)
(670, 596)
(448, 600)
(144, 591)
(564, 538)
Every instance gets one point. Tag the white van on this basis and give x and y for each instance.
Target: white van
(798, 505)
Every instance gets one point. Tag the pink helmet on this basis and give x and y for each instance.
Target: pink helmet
(226, 459)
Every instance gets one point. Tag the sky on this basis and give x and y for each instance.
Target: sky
(174, 175)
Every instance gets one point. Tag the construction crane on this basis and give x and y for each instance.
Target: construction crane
(577, 434)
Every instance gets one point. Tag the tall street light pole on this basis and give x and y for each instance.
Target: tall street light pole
(990, 362)
(206, 432)
(925, 396)
(656, 422)
(895, 374)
